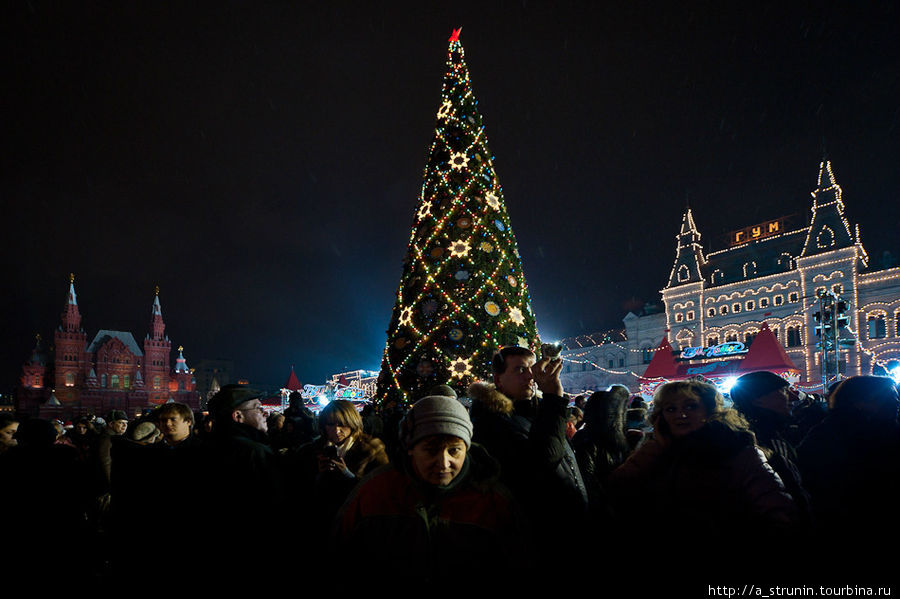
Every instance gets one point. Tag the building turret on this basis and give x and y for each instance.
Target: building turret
(35, 369)
(157, 350)
(828, 229)
(183, 375)
(70, 342)
(688, 255)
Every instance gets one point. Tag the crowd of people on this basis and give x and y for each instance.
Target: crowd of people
(514, 483)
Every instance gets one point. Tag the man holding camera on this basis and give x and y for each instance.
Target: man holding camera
(521, 420)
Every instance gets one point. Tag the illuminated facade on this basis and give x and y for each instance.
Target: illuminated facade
(774, 274)
(110, 372)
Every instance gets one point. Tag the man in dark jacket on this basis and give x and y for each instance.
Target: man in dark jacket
(765, 400)
(239, 480)
(527, 436)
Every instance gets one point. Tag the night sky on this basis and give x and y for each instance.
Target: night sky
(261, 162)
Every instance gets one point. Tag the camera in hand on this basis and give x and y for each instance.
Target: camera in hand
(330, 451)
(551, 350)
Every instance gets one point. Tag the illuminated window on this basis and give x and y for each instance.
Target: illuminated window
(838, 289)
(712, 341)
(825, 239)
(751, 305)
(683, 273)
(717, 277)
(749, 337)
(785, 261)
(793, 336)
(794, 297)
(731, 337)
(877, 326)
(114, 381)
(723, 310)
(679, 317)
(820, 291)
(749, 269)
(763, 302)
(711, 312)
(70, 379)
(126, 381)
(778, 300)
(896, 324)
(157, 383)
(736, 308)
(690, 315)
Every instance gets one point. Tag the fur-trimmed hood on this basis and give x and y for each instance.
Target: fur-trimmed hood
(486, 398)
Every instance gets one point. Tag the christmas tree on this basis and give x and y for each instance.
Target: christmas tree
(462, 294)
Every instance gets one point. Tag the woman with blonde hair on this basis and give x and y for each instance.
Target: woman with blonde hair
(702, 464)
(323, 472)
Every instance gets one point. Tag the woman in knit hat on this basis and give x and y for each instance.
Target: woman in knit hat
(436, 502)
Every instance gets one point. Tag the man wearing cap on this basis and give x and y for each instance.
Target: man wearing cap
(766, 400)
(436, 506)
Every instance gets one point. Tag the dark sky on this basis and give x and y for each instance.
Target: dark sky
(261, 162)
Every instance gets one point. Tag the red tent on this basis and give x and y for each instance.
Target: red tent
(766, 353)
(293, 383)
(663, 364)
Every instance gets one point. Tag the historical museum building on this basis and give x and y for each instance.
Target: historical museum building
(111, 371)
(772, 275)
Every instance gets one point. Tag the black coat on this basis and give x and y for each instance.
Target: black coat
(536, 461)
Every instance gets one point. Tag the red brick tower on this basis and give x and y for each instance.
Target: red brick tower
(70, 342)
(157, 349)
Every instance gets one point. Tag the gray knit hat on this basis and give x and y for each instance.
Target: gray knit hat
(435, 415)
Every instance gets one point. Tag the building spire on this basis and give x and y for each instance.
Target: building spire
(689, 257)
(72, 299)
(157, 326)
(71, 317)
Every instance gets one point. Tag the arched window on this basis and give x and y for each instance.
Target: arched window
(114, 381)
(717, 277)
(710, 341)
(877, 326)
(793, 336)
(749, 269)
(70, 379)
(684, 273)
(711, 312)
(157, 382)
(749, 336)
(785, 261)
(126, 381)
(825, 239)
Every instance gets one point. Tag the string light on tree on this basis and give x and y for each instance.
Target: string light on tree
(462, 293)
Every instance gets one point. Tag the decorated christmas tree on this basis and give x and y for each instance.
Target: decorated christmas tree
(462, 294)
